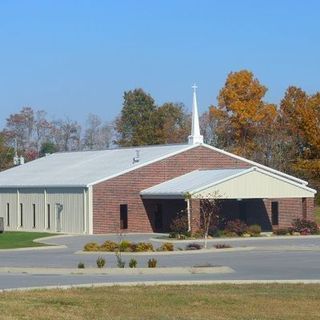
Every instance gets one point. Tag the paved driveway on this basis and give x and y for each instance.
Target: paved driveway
(270, 259)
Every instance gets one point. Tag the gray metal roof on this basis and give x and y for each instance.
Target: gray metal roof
(189, 183)
(83, 168)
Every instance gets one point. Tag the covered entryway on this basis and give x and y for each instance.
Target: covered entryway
(248, 194)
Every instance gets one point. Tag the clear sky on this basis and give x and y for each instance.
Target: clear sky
(74, 57)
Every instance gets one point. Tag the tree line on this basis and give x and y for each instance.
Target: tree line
(284, 136)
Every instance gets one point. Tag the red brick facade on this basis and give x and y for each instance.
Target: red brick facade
(125, 189)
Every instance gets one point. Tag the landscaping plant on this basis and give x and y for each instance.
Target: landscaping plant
(193, 246)
(236, 226)
(81, 265)
(120, 263)
(91, 246)
(222, 246)
(179, 225)
(101, 262)
(152, 263)
(254, 230)
(167, 246)
(304, 226)
(133, 263)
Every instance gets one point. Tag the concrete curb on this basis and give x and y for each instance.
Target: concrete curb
(119, 271)
(164, 253)
(34, 248)
(163, 283)
(237, 239)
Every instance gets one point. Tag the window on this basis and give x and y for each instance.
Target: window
(243, 211)
(158, 217)
(34, 215)
(123, 216)
(304, 208)
(275, 213)
(48, 217)
(21, 215)
(8, 214)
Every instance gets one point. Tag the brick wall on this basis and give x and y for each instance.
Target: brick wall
(108, 195)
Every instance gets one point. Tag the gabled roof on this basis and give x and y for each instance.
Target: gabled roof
(245, 183)
(82, 169)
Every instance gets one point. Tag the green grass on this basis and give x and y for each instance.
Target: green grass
(17, 239)
(317, 214)
(221, 302)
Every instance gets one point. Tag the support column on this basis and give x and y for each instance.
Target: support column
(195, 214)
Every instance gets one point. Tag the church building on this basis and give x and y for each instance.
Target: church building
(141, 189)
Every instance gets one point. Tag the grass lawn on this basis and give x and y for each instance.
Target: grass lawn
(317, 214)
(276, 301)
(16, 239)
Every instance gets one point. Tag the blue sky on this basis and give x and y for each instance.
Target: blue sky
(74, 57)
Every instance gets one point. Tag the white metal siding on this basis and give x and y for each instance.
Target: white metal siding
(255, 184)
(74, 201)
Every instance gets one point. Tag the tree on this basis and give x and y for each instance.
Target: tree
(241, 113)
(97, 135)
(48, 147)
(135, 125)
(172, 123)
(6, 154)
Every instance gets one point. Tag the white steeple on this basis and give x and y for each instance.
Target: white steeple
(195, 136)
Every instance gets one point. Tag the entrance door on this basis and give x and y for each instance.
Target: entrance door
(59, 208)
(158, 223)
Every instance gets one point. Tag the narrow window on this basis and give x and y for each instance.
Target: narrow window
(123, 216)
(275, 213)
(304, 208)
(8, 214)
(158, 217)
(21, 215)
(243, 211)
(48, 217)
(34, 215)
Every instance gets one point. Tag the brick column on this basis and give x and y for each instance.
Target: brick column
(310, 209)
(195, 214)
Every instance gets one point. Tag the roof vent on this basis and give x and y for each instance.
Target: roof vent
(136, 159)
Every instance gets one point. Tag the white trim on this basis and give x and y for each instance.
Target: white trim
(256, 164)
(90, 210)
(187, 147)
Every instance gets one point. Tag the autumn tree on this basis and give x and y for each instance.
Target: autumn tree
(135, 123)
(172, 123)
(242, 115)
(6, 154)
(300, 117)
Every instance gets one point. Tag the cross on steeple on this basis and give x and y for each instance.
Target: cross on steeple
(195, 137)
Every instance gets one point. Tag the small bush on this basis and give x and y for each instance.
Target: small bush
(167, 246)
(125, 245)
(152, 263)
(81, 265)
(229, 234)
(133, 263)
(199, 234)
(120, 263)
(109, 246)
(101, 262)
(237, 226)
(222, 246)
(193, 246)
(144, 247)
(305, 226)
(91, 246)
(179, 225)
(281, 231)
(254, 230)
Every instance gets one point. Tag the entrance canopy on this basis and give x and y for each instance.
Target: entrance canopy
(252, 183)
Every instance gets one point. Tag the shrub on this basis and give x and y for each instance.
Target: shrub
(120, 263)
(222, 246)
(101, 262)
(199, 234)
(125, 245)
(254, 230)
(91, 246)
(179, 225)
(133, 263)
(133, 247)
(167, 246)
(305, 226)
(81, 265)
(144, 247)
(193, 246)
(109, 246)
(152, 263)
(237, 226)
(281, 231)
(229, 234)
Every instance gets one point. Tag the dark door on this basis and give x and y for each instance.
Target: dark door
(158, 223)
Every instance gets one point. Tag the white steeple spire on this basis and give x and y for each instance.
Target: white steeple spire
(195, 136)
